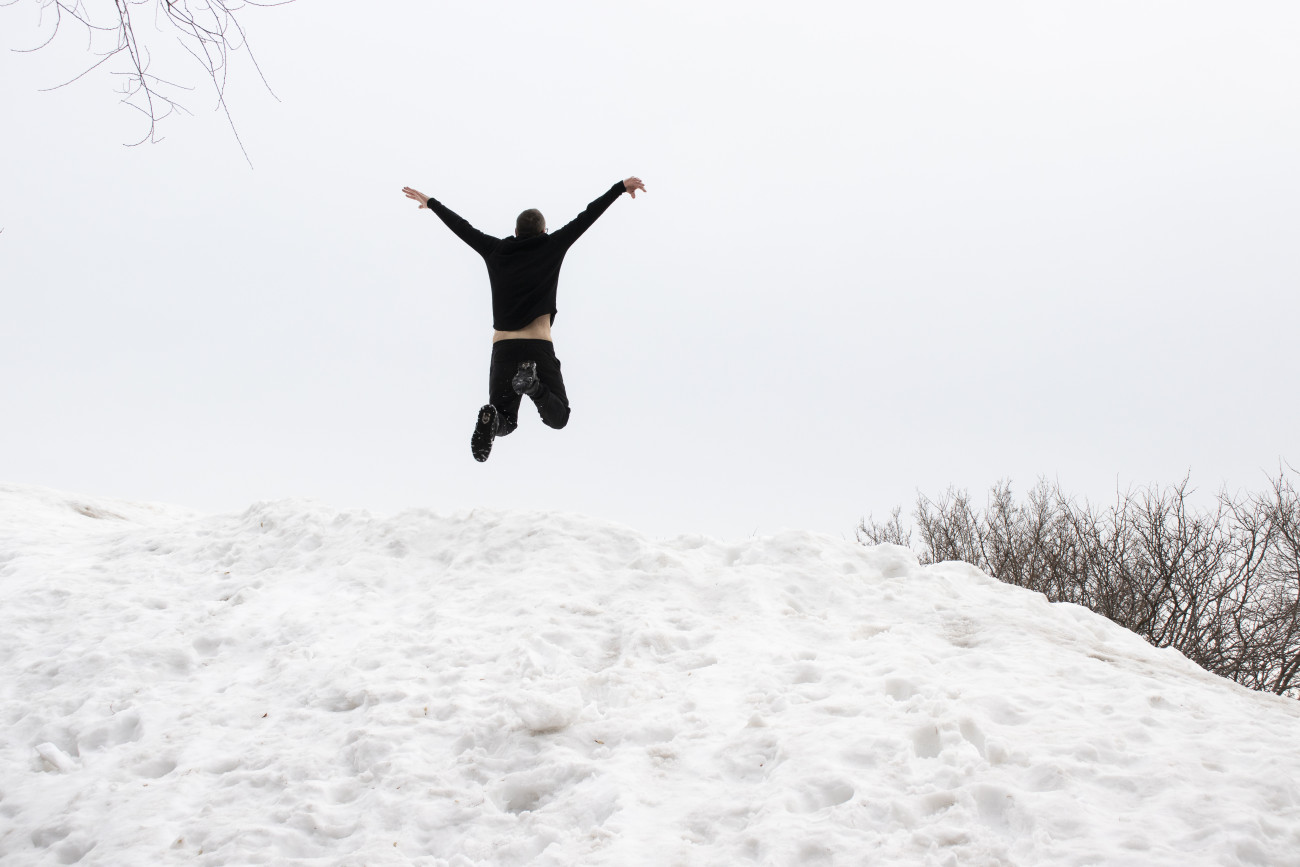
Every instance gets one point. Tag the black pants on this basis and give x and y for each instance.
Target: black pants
(552, 402)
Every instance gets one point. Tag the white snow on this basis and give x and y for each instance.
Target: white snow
(302, 685)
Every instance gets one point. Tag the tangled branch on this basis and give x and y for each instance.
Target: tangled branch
(1221, 585)
(209, 30)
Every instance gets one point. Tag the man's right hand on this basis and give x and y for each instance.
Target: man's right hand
(631, 185)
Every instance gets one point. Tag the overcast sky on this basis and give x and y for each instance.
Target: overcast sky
(886, 248)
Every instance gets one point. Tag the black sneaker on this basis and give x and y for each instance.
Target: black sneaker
(526, 381)
(484, 432)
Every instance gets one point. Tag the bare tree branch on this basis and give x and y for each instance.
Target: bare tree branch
(1221, 585)
(208, 30)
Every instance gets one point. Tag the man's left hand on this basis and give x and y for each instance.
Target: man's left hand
(417, 196)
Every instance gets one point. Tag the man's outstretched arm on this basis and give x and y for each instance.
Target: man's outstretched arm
(572, 230)
(481, 242)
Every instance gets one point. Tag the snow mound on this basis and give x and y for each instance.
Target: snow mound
(301, 685)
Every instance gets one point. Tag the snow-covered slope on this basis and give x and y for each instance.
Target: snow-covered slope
(300, 685)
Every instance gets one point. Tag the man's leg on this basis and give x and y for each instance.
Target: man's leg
(500, 415)
(547, 391)
(501, 392)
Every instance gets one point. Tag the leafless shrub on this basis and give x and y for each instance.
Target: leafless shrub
(209, 30)
(1222, 585)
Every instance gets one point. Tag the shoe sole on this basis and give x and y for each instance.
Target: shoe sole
(526, 386)
(480, 443)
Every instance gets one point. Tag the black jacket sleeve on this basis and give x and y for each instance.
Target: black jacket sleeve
(481, 242)
(573, 230)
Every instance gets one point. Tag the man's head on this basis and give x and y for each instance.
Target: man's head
(530, 223)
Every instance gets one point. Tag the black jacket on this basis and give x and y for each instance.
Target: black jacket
(524, 273)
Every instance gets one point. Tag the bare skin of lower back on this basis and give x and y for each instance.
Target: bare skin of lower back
(538, 329)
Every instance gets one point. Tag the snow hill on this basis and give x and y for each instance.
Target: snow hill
(299, 685)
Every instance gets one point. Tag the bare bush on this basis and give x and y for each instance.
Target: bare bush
(1222, 585)
(209, 30)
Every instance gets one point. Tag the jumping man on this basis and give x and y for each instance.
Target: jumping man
(524, 271)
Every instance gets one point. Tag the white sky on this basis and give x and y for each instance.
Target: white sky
(886, 247)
